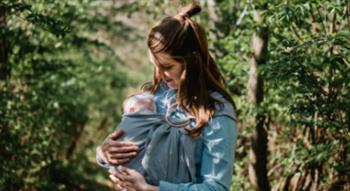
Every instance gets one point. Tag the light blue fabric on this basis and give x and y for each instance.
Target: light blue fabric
(166, 151)
(214, 150)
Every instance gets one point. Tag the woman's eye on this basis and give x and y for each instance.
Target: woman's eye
(167, 67)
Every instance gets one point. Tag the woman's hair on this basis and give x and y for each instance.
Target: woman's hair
(185, 40)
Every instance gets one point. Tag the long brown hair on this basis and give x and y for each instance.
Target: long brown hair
(185, 40)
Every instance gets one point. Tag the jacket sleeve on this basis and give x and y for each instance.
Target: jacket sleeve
(216, 167)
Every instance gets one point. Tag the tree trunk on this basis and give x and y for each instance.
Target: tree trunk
(76, 137)
(211, 11)
(214, 21)
(4, 65)
(258, 153)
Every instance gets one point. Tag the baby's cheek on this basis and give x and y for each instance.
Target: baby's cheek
(151, 108)
(132, 109)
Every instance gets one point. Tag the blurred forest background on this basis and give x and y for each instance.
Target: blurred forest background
(67, 64)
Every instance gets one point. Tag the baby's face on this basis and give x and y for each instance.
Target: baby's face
(145, 104)
(133, 105)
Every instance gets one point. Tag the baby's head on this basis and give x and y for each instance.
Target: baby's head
(139, 103)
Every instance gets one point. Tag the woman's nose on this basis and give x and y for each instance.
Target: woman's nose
(159, 73)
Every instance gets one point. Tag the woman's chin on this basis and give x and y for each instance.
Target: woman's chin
(172, 85)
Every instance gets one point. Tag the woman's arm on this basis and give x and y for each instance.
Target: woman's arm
(216, 162)
(131, 180)
(113, 152)
(219, 140)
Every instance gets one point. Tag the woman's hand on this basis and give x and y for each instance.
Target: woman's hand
(116, 152)
(131, 180)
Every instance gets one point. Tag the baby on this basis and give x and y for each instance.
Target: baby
(142, 103)
(159, 139)
(133, 107)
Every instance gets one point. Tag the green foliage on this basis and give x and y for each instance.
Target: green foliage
(66, 77)
(306, 83)
(310, 64)
(63, 79)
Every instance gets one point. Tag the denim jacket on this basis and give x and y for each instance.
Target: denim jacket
(214, 149)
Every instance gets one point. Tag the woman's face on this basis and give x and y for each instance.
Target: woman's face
(168, 69)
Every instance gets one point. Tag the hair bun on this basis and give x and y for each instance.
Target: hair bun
(189, 10)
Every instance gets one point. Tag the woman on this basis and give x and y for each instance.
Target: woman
(185, 74)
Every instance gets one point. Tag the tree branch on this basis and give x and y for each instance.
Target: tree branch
(348, 13)
(323, 26)
(4, 64)
(295, 31)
